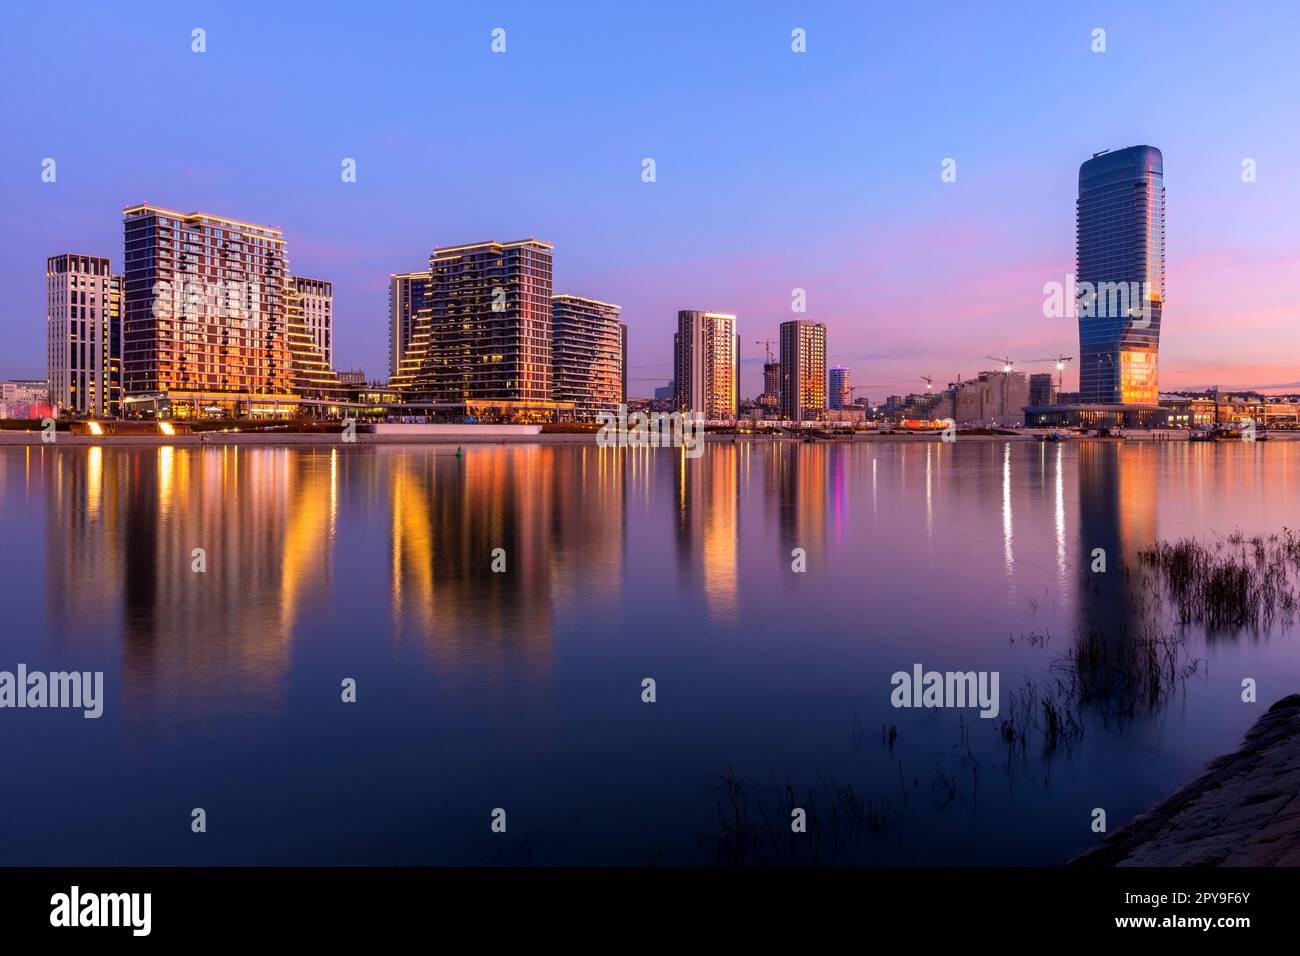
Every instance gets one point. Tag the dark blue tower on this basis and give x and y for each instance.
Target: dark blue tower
(1120, 271)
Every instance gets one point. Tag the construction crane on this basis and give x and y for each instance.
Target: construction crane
(929, 382)
(767, 347)
(1061, 362)
(854, 388)
(851, 389)
(1008, 366)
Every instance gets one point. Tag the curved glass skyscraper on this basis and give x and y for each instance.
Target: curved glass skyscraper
(1120, 275)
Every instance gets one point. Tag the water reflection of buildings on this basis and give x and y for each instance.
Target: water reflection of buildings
(84, 542)
(589, 522)
(123, 527)
(796, 477)
(1117, 513)
(708, 522)
(975, 486)
(558, 514)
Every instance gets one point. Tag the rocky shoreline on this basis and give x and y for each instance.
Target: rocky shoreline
(1244, 810)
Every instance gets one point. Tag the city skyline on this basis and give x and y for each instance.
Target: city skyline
(1115, 250)
(871, 233)
(554, 438)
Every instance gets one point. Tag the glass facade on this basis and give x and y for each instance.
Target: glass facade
(1120, 275)
(587, 354)
(204, 306)
(317, 302)
(309, 307)
(483, 333)
(407, 300)
(803, 370)
(839, 396)
(706, 363)
(84, 335)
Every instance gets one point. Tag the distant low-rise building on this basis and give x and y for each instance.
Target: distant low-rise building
(25, 398)
(1042, 389)
(927, 406)
(1176, 410)
(991, 399)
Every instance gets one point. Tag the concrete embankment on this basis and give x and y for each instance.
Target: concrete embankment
(1244, 810)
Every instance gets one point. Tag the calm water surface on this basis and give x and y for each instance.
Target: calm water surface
(523, 690)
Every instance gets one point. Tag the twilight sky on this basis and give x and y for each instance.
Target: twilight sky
(775, 170)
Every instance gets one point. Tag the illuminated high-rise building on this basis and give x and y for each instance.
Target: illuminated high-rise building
(83, 335)
(483, 337)
(317, 297)
(803, 370)
(1121, 275)
(586, 354)
(406, 302)
(622, 346)
(308, 306)
(205, 316)
(706, 364)
(840, 394)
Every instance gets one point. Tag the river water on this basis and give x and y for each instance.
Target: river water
(523, 689)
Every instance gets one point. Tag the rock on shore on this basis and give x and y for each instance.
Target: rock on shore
(1243, 811)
